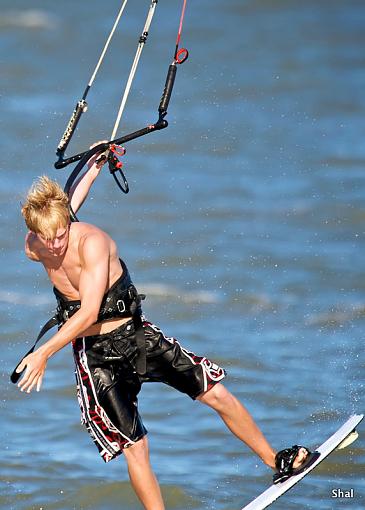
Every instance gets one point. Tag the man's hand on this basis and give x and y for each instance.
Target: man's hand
(35, 366)
(93, 160)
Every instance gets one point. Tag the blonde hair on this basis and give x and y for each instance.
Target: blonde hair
(46, 208)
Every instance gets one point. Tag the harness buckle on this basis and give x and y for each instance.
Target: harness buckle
(121, 305)
(62, 315)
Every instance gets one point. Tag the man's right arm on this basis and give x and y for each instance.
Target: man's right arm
(93, 282)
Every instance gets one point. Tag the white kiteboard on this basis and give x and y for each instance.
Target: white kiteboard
(344, 436)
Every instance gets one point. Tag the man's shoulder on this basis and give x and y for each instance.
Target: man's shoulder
(89, 236)
(32, 246)
(84, 230)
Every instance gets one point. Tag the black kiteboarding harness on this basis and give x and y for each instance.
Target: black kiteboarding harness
(120, 301)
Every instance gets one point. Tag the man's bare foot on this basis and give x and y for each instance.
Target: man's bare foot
(290, 461)
(301, 457)
(298, 461)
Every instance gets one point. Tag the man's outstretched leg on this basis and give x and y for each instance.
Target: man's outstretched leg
(239, 421)
(242, 425)
(142, 477)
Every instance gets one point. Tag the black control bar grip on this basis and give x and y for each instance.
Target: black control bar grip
(80, 108)
(169, 84)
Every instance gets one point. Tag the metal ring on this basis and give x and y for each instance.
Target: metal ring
(181, 55)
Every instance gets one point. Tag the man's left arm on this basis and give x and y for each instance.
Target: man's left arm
(92, 286)
(81, 187)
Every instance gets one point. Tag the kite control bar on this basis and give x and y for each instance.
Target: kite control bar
(180, 55)
(61, 163)
(114, 163)
(162, 111)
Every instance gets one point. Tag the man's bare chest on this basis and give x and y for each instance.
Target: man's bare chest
(65, 275)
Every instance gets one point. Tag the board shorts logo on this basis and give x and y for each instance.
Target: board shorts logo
(215, 372)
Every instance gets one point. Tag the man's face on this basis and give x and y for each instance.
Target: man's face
(58, 245)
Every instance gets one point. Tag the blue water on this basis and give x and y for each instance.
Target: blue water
(244, 225)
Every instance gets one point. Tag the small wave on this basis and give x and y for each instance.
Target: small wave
(337, 316)
(16, 298)
(31, 18)
(151, 289)
(169, 291)
(258, 302)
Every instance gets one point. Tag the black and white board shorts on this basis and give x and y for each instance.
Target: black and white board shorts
(108, 385)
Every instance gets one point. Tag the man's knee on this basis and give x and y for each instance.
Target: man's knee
(217, 397)
(137, 452)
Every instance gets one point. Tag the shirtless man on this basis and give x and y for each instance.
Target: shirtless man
(115, 348)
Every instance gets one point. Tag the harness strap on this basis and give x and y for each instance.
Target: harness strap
(51, 323)
(141, 361)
